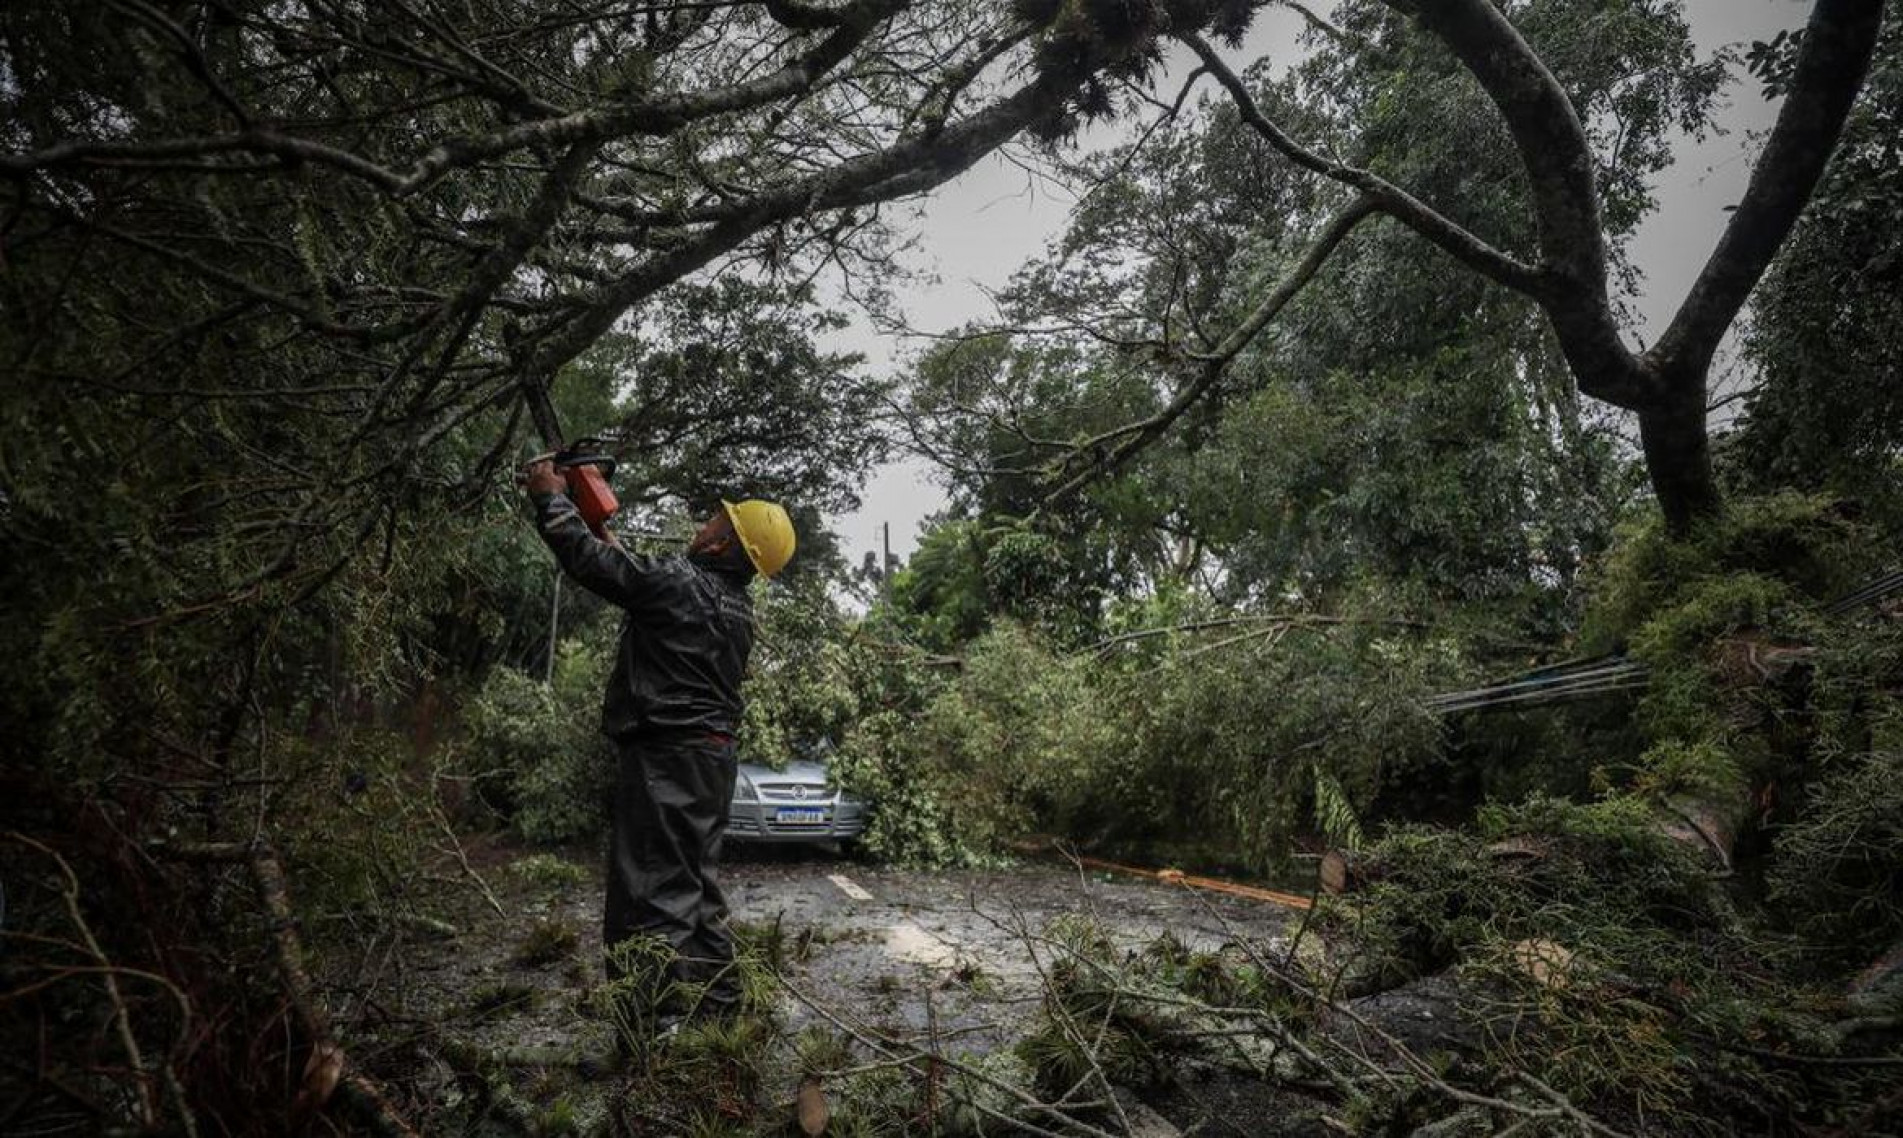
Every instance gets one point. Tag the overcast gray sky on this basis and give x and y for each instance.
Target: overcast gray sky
(977, 230)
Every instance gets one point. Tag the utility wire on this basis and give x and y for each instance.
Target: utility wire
(1595, 676)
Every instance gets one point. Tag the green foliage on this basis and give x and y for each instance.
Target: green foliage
(1690, 609)
(818, 1049)
(1025, 573)
(635, 1002)
(1803, 542)
(1085, 1027)
(912, 819)
(1335, 815)
(967, 573)
(708, 1076)
(849, 691)
(1008, 745)
(1396, 420)
(503, 998)
(548, 871)
(542, 743)
(1602, 956)
(254, 510)
(1857, 687)
(1827, 327)
(1261, 738)
(1590, 900)
(359, 816)
(1246, 734)
(1838, 869)
(549, 941)
(726, 393)
(942, 593)
(812, 675)
(1434, 469)
(1439, 894)
(256, 520)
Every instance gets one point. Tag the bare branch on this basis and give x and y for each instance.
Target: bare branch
(1110, 450)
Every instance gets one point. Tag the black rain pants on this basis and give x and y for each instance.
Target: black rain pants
(670, 813)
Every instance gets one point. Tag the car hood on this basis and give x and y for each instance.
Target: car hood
(802, 773)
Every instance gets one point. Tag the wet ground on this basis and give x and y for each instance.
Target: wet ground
(950, 957)
(871, 941)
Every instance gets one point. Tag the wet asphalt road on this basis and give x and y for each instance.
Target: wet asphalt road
(950, 961)
(898, 951)
(960, 951)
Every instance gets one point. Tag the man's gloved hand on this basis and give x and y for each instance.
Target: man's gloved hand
(543, 478)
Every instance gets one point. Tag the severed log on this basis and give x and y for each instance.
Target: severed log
(328, 1071)
(1547, 963)
(1708, 823)
(812, 1109)
(1751, 659)
(1336, 878)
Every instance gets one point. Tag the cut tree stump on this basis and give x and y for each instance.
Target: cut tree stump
(1345, 871)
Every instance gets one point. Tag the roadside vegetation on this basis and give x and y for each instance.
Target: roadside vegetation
(1308, 521)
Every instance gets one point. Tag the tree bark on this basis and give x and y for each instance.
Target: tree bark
(1678, 460)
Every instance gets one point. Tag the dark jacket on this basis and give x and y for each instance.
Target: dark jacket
(684, 640)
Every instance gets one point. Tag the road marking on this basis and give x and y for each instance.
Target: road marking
(849, 887)
(914, 945)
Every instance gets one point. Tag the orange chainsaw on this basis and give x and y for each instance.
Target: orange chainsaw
(585, 463)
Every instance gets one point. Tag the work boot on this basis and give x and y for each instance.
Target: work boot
(720, 1004)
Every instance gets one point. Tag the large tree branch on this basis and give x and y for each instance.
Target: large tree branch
(1570, 282)
(1559, 164)
(1545, 128)
(650, 117)
(908, 167)
(1838, 44)
(1463, 245)
(854, 190)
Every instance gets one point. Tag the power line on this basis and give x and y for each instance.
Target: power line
(1595, 676)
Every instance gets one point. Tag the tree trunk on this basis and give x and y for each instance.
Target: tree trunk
(1678, 459)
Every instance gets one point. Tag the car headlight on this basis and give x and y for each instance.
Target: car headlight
(743, 790)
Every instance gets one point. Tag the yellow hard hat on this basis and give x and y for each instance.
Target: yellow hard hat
(766, 533)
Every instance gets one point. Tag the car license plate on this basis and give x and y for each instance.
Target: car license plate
(800, 816)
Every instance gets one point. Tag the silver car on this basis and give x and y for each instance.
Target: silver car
(797, 804)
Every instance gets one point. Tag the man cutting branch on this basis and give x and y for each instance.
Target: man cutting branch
(672, 709)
